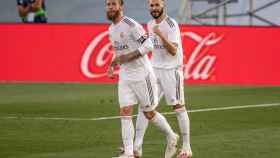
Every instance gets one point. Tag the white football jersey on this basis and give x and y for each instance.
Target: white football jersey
(127, 36)
(161, 58)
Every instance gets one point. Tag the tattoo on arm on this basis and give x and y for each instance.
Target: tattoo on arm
(129, 57)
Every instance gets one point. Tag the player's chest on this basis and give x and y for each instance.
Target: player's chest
(154, 37)
(120, 40)
(121, 35)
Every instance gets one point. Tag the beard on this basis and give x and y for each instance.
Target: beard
(157, 14)
(112, 17)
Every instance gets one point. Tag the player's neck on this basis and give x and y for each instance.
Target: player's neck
(118, 19)
(161, 18)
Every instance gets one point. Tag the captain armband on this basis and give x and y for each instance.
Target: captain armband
(146, 47)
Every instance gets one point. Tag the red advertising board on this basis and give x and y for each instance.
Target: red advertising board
(82, 53)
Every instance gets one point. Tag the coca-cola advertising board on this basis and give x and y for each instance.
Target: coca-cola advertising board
(82, 53)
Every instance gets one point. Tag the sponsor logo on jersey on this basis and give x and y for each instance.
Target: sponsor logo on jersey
(119, 47)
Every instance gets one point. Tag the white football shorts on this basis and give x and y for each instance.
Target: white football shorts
(144, 93)
(171, 85)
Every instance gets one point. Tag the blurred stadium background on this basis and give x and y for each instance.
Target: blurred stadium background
(77, 120)
(214, 12)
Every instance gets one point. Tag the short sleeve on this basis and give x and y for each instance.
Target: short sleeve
(173, 30)
(172, 35)
(138, 33)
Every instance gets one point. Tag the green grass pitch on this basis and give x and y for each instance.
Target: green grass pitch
(28, 128)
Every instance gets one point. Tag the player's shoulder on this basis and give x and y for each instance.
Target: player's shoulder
(172, 23)
(130, 22)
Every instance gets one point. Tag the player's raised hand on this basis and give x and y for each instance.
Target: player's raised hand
(157, 30)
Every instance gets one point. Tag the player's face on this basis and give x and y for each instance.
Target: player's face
(113, 9)
(156, 8)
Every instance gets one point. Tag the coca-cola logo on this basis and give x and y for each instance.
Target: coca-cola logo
(198, 66)
(101, 60)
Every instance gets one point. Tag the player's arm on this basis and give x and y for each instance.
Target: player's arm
(110, 71)
(126, 58)
(170, 46)
(142, 50)
(36, 5)
(23, 11)
(123, 59)
(145, 48)
(23, 8)
(140, 36)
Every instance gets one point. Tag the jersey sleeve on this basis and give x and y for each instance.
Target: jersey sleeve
(173, 30)
(172, 35)
(139, 34)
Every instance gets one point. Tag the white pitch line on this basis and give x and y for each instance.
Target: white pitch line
(165, 113)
